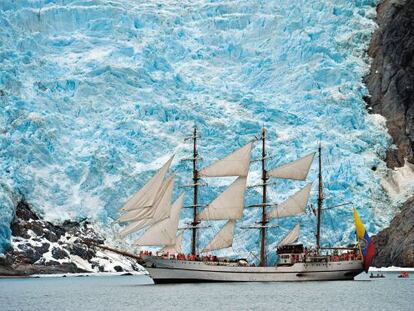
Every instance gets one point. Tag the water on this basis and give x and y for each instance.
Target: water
(138, 293)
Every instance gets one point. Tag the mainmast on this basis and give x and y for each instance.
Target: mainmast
(196, 178)
(320, 201)
(264, 202)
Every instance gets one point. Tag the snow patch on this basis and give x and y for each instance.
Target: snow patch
(399, 182)
(391, 269)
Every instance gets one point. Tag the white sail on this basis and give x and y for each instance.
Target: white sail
(298, 169)
(156, 235)
(291, 237)
(175, 248)
(136, 215)
(293, 206)
(160, 211)
(235, 164)
(163, 205)
(146, 196)
(134, 227)
(229, 204)
(163, 232)
(223, 239)
(163, 198)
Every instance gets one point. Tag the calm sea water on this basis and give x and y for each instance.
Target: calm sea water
(138, 293)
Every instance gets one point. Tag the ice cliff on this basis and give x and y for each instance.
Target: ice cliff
(95, 95)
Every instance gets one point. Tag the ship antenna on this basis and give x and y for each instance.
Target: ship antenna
(320, 201)
(264, 201)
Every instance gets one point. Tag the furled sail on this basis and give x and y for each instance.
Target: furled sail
(146, 196)
(298, 169)
(223, 239)
(228, 205)
(164, 231)
(291, 237)
(160, 211)
(175, 248)
(235, 164)
(295, 205)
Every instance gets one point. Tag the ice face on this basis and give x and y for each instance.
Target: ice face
(96, 95)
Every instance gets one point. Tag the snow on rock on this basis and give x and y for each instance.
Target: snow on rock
(399, 182)
(42, 247)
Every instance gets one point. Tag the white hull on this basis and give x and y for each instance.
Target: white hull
(176, 271)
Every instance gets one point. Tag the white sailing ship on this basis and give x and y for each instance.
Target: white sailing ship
(151, 209)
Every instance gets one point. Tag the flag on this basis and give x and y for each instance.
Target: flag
(366, 244)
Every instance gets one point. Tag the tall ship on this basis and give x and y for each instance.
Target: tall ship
(151, 210)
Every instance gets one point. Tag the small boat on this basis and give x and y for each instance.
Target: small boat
(377, 276)
(404, 275)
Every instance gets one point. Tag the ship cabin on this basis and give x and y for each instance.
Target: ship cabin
(290, 254)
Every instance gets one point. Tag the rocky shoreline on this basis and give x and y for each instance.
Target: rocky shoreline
(40, 247)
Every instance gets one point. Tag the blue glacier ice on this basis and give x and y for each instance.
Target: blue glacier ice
(95, 95)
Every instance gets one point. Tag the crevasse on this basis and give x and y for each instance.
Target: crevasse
(95, 95)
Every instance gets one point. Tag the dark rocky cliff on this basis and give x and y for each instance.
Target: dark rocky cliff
(391, 88)
(395, 245)
(391, 79)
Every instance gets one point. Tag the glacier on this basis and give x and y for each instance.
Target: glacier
(96, 95)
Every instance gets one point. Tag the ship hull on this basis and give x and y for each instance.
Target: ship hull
(182, 271)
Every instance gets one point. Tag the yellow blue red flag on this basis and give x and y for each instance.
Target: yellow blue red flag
(365, 242)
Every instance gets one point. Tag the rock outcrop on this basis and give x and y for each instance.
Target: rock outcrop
(391, 88)
(391, 79)
(39, 247)
(395, 245)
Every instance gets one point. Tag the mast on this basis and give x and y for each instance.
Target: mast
(320, 201)
(264, 202)
(195, 198)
